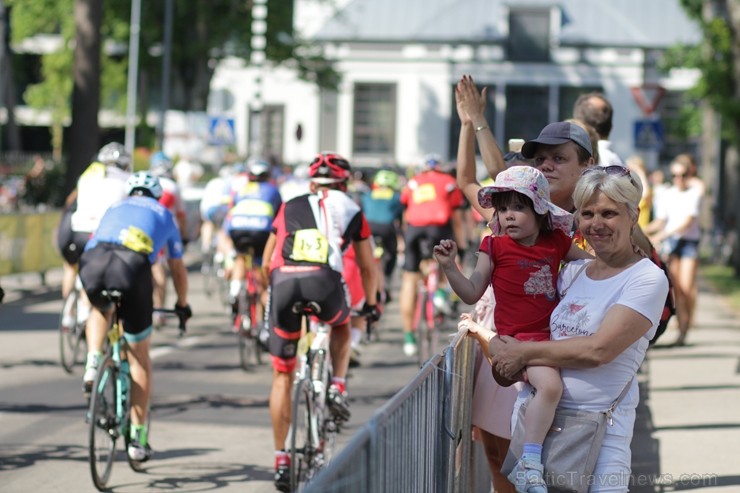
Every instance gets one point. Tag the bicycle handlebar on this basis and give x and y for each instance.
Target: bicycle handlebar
(180, 316)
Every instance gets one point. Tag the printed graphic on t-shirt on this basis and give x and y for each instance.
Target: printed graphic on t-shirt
(569, 320)
(541, 282)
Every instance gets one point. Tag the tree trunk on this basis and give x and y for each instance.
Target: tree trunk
(84, 133)
(732, 157)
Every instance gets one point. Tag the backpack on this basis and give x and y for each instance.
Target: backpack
(669, 309)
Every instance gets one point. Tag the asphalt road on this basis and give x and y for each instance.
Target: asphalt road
(211, 427)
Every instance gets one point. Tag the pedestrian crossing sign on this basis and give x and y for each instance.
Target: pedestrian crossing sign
(221, 131)
(648, 135)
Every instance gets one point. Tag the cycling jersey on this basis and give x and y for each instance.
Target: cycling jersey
(142, 225)
(171, 197)
(255, 206)
(382, 205)
(316, 229)
(430, 198)
(98, 188)
(215, 197)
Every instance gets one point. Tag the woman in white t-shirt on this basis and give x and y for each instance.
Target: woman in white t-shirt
(616, 301)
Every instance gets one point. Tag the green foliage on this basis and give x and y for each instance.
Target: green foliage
(715, 61)
(724, 281)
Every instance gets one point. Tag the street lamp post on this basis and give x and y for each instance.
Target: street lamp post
(133, 75)
(166, 63)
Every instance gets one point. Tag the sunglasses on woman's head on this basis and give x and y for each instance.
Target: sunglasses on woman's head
(614, 170)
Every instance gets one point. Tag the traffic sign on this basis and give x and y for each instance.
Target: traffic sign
(221, 131)
(648, 135)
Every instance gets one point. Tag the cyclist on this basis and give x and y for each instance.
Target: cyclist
(383, 209)
(160, 165)
(433, 212)
(248, 225)
(101, 185)
(213, 206)
(306, 248)
(120, 255)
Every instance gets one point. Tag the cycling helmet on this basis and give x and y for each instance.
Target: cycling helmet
(258, 169)
(432, 161)
(238, 168)
(114, 154)
(145, 182)
(387, 178)
(328, 167)
(160, 164)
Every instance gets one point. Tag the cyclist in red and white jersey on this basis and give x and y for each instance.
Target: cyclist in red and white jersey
(433, 212)
(305, 249)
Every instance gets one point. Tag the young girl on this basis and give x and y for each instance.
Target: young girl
(521, 261)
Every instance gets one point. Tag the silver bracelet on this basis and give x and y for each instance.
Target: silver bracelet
(482, 127)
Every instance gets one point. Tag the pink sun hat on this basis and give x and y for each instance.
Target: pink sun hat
(531, 182)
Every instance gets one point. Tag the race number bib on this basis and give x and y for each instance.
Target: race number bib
(310, 245)
(424, 193)
(135, 239)
(382, 194)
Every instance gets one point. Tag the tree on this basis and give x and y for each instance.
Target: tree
(718, 60)
(84, 130)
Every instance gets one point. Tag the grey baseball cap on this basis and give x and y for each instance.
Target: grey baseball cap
(558, 133)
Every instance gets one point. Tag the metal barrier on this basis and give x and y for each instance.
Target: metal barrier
(420, 440)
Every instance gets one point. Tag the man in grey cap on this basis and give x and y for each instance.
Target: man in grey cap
(562, 151)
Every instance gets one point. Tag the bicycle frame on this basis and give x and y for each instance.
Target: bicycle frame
(245, 322)
(310, 390)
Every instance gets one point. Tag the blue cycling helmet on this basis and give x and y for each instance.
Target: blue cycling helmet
(160, 164)
(432, 161)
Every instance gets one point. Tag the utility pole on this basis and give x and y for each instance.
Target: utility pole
(166, 63)
(133, 75)
(257, 59)
(3, 72)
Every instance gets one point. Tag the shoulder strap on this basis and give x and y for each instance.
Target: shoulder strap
(564, 291)
(618, 400)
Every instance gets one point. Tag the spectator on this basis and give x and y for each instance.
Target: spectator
(594, 109)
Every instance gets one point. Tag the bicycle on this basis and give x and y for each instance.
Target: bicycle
(313, 427)
(72, 328)
(109, 414)
(246, 323)
(213, 268)
(428, 319)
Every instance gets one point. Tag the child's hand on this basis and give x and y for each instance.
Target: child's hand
(445, 253)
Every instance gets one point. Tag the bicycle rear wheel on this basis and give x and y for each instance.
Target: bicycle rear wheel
(70, 338)
(302, 450)
(103, 423)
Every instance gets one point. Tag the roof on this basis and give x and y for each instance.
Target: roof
(626, 23)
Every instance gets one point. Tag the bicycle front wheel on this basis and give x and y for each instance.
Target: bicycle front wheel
(248, 350)
(103, 423)
(70, 335)
(302, 450)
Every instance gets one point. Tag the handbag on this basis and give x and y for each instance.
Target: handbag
(571, 447)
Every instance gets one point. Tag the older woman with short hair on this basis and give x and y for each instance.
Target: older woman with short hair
(616, 301)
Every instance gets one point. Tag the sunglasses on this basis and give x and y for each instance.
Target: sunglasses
(681, 175)
(614, 170)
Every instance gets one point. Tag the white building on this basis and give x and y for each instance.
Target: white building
(400, 60)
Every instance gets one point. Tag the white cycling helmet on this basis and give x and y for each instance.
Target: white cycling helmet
(114, 154)
(258, 168)
(145, 182)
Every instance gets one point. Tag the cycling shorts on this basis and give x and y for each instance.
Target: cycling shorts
(290, 284)
(420, 240)
(110, 266)
(73, 245)
(245, 239)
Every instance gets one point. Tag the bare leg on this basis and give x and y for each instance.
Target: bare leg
(280, 406)
(141, 389)
(495, 448)
(541, 410)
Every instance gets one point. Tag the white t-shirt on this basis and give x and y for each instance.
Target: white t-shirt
(215, 193)
(642, 287)
(676, 206)
(98, 188)
(607, 157)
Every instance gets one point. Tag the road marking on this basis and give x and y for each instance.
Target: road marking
(169, 348)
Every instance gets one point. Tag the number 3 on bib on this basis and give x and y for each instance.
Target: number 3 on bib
(310, 245)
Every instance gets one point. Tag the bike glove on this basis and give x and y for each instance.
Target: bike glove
(372, 312)
(183, 312)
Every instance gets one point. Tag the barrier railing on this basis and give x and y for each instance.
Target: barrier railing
(420, 440)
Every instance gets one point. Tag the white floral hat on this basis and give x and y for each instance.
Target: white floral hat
(531, 182)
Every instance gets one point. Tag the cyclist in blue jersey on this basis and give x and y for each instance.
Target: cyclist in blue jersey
(384, 212)
(249, 223)
(119, 256)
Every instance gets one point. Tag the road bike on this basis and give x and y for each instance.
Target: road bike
(213, 268)
(428, 318)
(313, 427)
(109, 414)
(72, 320)
(246, 323)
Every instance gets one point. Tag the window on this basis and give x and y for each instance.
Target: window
(526, 111)
(374, 129)
(455, 124)
(269, 131)
(529, 36)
